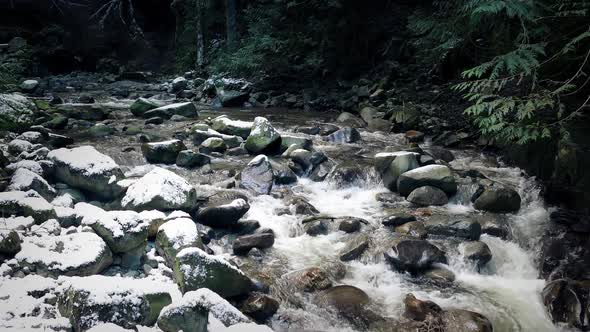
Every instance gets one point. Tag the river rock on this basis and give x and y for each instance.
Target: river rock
(427, 196)
(494, 199)
(213, 144)
(179, 84)
(438, 176)
(160, 189)
(349, 119)
(199, 136)
(25, 180)
(315, 226)
(29, 85)
(453, 225)
(563, 303)
(439, 153)
(192, 159)
(390, 165)
(126, 302)
(187, 109)
(415, 255)
(175, 235)
(164, 152)
(398, 219)
(439, 276)
(243, 244)
(282, 171)
(16, 112)
(223, 209)
(87, 169)
(194, 269)
(350, 224)
(227, 126)
(354, 248)
(347, 174)
(465, 320)
(259, 306)
(344, 135)
(232, 98)
(26, 204)
(258, 175)
(188, 315)
(142, 105)
(348, 301)
(413, 228)
(263, 137)
(308, 280)
(299, 142)
(78, 254)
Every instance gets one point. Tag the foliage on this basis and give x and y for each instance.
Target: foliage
(13, 67)
(530, 58)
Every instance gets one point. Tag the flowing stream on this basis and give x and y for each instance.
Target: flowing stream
(507, 290)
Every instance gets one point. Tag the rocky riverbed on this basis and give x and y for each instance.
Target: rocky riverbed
(158, 213)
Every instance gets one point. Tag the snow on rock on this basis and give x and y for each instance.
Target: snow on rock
(50, 227)
(16, 223)
(87, 169)
(31, 165)
(34, 137)
(160, 189)
(175, 235)
(9, 243)
(107, 327)
(79, 254)
(154, 219)
(18, 146)
(123, 231)
(24, 180)
(16, 111)
(127, 302)
(30, 203)
(194, 269)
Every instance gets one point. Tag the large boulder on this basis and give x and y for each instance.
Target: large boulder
(160, 189)
(438, 176)
(142, 105)
(194, 269)
(390, 165)
(175, 235)
(498, 199)
(78, 254)
(227, 126)
(26, 204)
(427, 195)
(126, 302)
(87, 169)
(187, 109)
(415, 255)
(16, 112)
(454, 225)
(258, 175)
(164, 152)
(186, 315)
(25, 180)
(243, 244)
(477, 252)
(223, 209)
(263, 137)
(563, 302)
(348, 301)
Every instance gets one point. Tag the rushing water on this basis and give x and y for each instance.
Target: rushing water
(507, 290)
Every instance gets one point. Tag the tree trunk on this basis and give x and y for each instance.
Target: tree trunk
(200, 34)
(231, 26)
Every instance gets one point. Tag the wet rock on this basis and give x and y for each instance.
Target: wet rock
(25, 180)
(160, 189)
(398, 219)
(259, 306)
(308, 280)
(438, 176)
(122, 301)
(427, 196)
(414, 136)
(440, 153)
(156, 120)
(26, 204)
(390, 165)
(453, 226)
(78, 254)
(86, 99)
(495, 225)
(179, 84)
(227, 126)
(263, 137)
(419, 309)
(299, 142)
(232, 98)
(300, 205)
(164, 152)
(187, 109)
(223, 209)
(477, 252)
(258, 175)
(350, 225)
(142, 105)
(563, 303)
(464, 320)
(347, 174)
(354, 248)
(191, 159)
(344, 135)
(499, 200)
(175, 235)
(282, 172)
(413, 228)
(348, 301)
(439, 276)
(317, 225)
(243, 244)
(16, 112)
(351, 120)
(87, 169)
(194, 269)
(415, 255)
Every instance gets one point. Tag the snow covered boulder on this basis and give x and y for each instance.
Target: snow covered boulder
(258, 175)
(390, 165)
(187, 109)
(125, 232)
(18, 146)
(16, 112)
(31, 165)
(194, 269)
(89, 170)
(25, 180)
(263, 137)
(225, 125)
(126, 302)
(154, 219)
(438, 176)
(164, 152)
(78, 254)
(160, 189)
(223, 209)
(30, 203)
(175, 235)
(187, 315)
